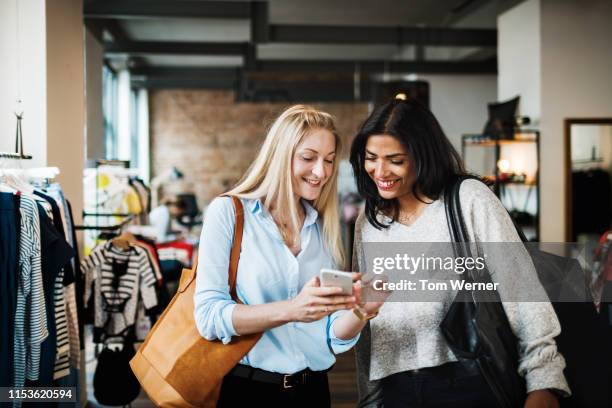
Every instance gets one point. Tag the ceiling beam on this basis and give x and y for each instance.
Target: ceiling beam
(123, 9)
(291, 74)
(185, 72)
(382, 35)
(177, 48)
(426, 67)
(116, 31)
(95, 28)
(302, 71)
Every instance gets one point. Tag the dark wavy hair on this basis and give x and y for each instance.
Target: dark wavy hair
(435, 160)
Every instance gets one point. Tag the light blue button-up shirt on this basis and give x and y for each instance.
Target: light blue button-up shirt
(267, 272)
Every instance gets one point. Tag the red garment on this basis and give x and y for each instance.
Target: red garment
(180, 251)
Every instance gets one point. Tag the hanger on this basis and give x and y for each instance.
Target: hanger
(124, 240)
(13, 179)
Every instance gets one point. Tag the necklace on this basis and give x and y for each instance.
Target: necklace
(409, 218)
(406, 219)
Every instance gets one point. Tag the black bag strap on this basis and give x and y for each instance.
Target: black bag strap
(454, 216)
(456, 223)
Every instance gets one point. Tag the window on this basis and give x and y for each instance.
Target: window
(109, 108)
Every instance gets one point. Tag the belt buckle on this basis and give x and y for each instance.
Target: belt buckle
(286, 385)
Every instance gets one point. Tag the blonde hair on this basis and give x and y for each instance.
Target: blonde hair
(270, 176)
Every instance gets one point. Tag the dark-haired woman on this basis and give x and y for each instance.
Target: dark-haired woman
(402, 163)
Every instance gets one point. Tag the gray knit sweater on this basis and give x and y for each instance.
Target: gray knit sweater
(406, 336)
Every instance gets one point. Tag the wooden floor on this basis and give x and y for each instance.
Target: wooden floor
(343, 382)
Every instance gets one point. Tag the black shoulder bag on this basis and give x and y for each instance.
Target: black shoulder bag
(476, 327)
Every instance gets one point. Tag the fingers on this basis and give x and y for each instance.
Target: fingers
(326, 291)
(356, 276)
(313, 283)
(334, 300)
(358, 291)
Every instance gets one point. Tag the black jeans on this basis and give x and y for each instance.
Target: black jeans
(449, 385)
(242, 392)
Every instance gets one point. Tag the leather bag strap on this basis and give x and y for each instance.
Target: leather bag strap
(236, 245)
(234, 254)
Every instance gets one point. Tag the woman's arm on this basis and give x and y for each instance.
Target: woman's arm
(311, 304)
(213, 305)
(534, 322)
(350, 325)
(370, 392)
(218, 316)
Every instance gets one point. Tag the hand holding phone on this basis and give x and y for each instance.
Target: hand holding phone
(335, 278)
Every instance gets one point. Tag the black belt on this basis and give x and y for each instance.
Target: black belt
(285, 380)
(455, 369)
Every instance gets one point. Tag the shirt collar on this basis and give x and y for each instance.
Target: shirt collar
(256, 206)
(311, 213)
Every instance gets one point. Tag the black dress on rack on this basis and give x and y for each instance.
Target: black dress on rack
(55, 254)
(9, 264)
(592, 195)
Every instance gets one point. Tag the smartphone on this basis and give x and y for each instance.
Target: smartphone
(332, 277)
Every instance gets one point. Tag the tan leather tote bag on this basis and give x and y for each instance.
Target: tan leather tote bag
(175, 365)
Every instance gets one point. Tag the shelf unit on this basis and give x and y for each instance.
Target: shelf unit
(523, 136)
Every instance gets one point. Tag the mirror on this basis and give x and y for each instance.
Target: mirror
(589, 178)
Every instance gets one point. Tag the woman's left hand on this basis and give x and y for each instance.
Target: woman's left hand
(541, 399)
(369, 300)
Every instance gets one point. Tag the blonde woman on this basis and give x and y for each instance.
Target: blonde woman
(291, 231)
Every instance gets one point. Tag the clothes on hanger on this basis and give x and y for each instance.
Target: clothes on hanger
(601, 273)
(119, 281)
(173, 257)
(10, 228)
(144, 195)
(115, 191)
(37, 287)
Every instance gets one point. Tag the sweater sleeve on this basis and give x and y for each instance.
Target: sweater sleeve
(370, 392)
(534, 323)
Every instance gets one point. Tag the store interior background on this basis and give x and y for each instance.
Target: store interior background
(194, 84)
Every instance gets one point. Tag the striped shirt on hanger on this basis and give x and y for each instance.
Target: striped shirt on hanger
(30, 315)
(117, 279)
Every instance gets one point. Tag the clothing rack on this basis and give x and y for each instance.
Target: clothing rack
(128, 219)
(17, 156)
(54, 299)
(95, 163)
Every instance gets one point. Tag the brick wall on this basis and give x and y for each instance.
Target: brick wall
(212, 139)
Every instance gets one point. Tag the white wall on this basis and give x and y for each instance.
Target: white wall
(23, 72)
(459, 102)
(576, 82)
(519, 57)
